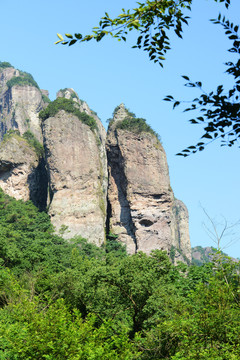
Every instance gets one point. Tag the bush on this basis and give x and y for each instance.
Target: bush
(33, 142)
(4, 64)
(22, 80)
(69, 106)
(29, 137)
(45, 98)
(136, 125)
(10, 133)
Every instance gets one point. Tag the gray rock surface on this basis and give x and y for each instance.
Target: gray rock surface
(21, 174)
(19, 106)
(77, 198)
(181, 232)
(141, 201)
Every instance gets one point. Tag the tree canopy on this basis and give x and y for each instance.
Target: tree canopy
(74, 301)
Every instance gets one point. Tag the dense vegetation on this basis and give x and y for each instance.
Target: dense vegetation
(33, 142)
(69, 106)
(46, 98)
(136, 125)
(72, 301)
(4, 64)
(22, 80)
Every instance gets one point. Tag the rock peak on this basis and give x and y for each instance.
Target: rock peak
(120, 112)
(68, 93)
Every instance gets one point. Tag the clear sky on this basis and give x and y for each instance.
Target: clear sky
(108, 73)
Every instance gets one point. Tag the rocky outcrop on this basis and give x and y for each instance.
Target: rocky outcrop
(80, 166)
(141, 200)
(21, 174)
(100, 133)
(77, 195)
(19, 104)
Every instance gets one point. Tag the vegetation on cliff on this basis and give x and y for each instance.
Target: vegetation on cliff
(69, 106)
(22, 80)
(33, 142)
(46, 99)
(72, 300)
(29, 137)
(5, 64)
(136, 125)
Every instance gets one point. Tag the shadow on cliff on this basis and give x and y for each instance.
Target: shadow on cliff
(120, 181)
(38, 186)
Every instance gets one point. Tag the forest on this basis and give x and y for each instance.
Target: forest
(72, 300)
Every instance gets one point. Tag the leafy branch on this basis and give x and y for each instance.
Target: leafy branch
(220, 110)
(150, 19)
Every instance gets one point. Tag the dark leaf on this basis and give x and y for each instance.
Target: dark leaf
(72, 42)
(176, 104)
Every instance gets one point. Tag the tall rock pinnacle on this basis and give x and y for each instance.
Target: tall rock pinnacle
(140, 197)
(20, 102)
(77, 175)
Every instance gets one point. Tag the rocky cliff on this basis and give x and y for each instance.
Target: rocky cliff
(142, 209)
(22, 174)
(20, 102)
(90, 184)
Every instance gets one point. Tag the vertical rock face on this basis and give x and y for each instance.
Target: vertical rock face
(77, 198)
(69, 93)
(181, 236)
(140, 197)
(19, 104)
(21, 175)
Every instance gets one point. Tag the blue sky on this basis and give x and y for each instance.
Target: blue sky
(110, 72)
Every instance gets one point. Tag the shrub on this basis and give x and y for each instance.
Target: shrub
(69, 106)
(29, 137)
(33, 142)
(45, 98)
(4, 64)
(22, 80)
(10, 133)
(136, 125)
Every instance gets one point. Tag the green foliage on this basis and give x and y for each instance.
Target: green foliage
(69, 106)
(136, 125)
(29, 331)
(73, 300)
(46, 99)
(5, 64)
(172, 253)
(22, 80)
(130, 114)
(28, 135)
(10, 133)
(113, 245)
(220, 108)
(73, 94)
(151, 19)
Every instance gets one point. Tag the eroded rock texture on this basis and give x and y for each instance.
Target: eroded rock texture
(181, 232)
(140, 197)
(77, 198)
(19, 105)
(21, 174)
